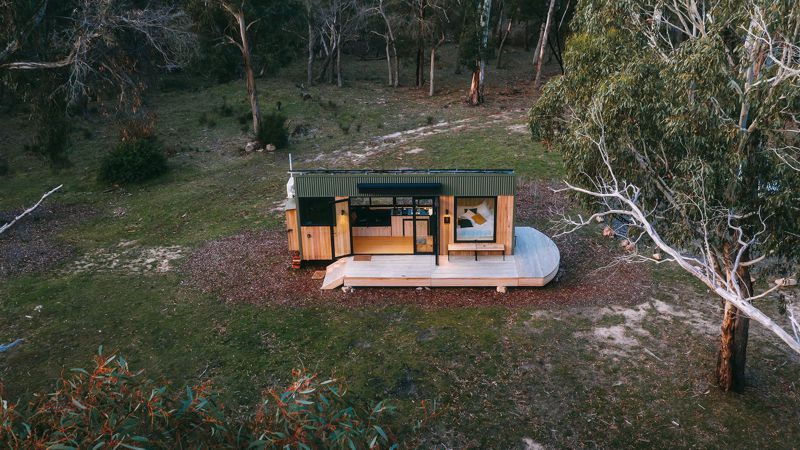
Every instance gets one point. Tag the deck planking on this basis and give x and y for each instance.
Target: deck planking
(534, 263)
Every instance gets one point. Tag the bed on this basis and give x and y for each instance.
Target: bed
(475, 219)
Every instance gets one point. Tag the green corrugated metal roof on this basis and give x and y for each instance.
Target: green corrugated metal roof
(456, 182)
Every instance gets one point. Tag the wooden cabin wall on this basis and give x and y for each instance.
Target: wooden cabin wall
(505, 224)
(446, 230)
(341, 232)
(316, 243)
(292, 232)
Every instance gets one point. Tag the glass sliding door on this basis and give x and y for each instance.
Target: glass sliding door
(382, 225)
(424, 225)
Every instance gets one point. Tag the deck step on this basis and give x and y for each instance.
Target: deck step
(334, 274)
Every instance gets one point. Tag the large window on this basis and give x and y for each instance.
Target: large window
(476, 219)
(316, 211)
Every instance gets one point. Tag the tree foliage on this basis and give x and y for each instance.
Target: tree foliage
(92, 48)
(673, 113)
(691, 109)
(113, 406)
(274, 36)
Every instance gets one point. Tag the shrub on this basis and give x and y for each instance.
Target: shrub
(5, 169)
(139, 127)
(273, 130)
(330, 105)
(206, 121)
(315, 413)
(346, 123)
(52, 141)
(113, 406)
(225, 110)
(134, 161)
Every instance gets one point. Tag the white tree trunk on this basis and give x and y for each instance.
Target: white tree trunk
(310, 63)
(389, 64)
(503, 42)
(433, 69)
(538, 79)
(250, 78)
(338, 64)
(538, 45)
(29, 210)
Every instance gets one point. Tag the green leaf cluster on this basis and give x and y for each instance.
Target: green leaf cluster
(681, 121)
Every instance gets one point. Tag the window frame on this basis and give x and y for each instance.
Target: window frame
(455, 219)
(302, 217)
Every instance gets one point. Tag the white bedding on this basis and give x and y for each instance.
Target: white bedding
(475, 233)
(485, 230)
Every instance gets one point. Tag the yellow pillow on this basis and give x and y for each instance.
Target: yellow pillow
(479, 219)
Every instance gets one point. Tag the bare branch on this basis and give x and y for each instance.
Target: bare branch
(29, 210)
(619, 198)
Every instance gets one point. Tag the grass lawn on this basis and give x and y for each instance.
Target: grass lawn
(630, 373)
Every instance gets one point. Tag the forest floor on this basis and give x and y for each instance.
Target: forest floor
(188, 277)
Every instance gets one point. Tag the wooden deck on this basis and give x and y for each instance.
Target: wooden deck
(534, 263)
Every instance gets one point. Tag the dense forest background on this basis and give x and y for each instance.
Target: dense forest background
(62, 59)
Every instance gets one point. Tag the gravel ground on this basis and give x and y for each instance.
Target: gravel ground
(254, 267)
(32, 244)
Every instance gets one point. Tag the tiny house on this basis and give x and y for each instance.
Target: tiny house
(415, 228)
(336, 213)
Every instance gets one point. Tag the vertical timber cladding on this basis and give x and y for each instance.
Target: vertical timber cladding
(505, 223)
(292, 230)
(316, 243)
(468, 183)
(446, 230)
(341, 230)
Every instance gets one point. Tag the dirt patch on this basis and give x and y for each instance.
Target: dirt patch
(536, 204)
(255, 268)
(128, 258)
(32, 244)
(362, 150)
(620, 330)
(521, 128)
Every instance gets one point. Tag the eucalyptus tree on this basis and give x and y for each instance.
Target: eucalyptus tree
(473, 46)
(250, 27)
(680, 119)
(338, 21)
(543, 38)
(387, 11)
(93, 45)
(510, 12)
(57, 55)
(425, 18)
